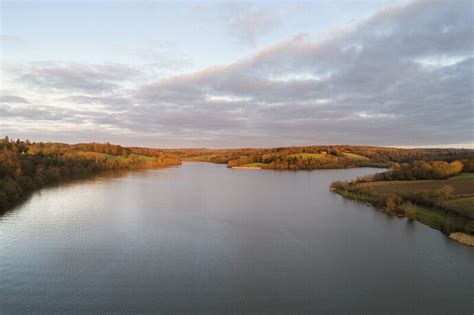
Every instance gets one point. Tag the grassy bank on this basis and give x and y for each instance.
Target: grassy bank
(439, 219)
(446, 205)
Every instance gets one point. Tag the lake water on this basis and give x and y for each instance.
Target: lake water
(202, 238)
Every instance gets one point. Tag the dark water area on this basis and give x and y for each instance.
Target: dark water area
(202, 238)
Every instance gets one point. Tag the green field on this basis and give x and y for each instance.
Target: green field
(463, 175)
(107, 156)
(461, 202)
(462, 184)
(142, 157)
(323, 156)
(355, 156)
(308, 155)
(462, 205)
(442, 220)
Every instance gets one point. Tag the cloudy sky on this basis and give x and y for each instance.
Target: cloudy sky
(391, 73)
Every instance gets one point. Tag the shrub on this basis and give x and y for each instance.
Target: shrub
(338, 185)
(410, 210)
(390, 204)
(445, 192)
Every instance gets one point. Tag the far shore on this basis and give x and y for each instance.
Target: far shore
(246, 167)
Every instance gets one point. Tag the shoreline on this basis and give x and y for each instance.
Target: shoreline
(68, 181)
(246, 168)
(459, 236)
(463, 238)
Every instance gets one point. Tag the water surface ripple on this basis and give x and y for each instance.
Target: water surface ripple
(202, 238)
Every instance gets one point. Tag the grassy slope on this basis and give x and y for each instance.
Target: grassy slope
(115, 157)
(463, 175)
(142, 157)
(442, 220)
(323, 156)
(463, 184)
(308, 155)
(355, 156)
(462, 205)
(105, 155)
(462, 202)
(435, 218)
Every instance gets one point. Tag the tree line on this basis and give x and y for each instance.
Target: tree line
(337, 156)
(26, 166)
(418, 170)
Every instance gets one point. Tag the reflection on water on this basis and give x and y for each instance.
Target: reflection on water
(102, 175)
(204, 238)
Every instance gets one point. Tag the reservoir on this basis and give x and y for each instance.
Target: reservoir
(202, 238)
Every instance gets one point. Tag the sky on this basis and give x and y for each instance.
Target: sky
(238, 74)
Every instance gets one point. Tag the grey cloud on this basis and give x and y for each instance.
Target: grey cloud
(370, 74)
(76, 77)
(37, 113)
(59, 116)
(13, 99)
(110, 102)
(403, 76)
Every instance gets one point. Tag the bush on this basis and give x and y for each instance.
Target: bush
(410, 210)
(390, 204)
(339, 185)
(445, 192)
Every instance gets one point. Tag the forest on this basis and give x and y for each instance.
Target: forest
(322, 157)
(419, 170)
(27, 166)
